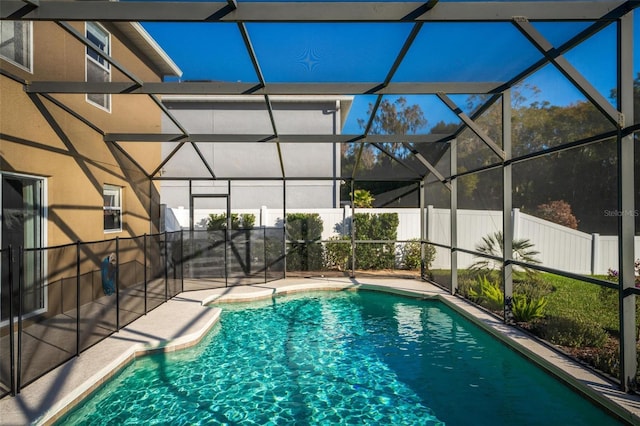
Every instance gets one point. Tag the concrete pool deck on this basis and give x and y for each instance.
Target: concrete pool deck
(185, 319)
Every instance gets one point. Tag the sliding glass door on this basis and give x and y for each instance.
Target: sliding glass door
(22, 226)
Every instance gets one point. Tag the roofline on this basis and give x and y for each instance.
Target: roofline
(159, 57)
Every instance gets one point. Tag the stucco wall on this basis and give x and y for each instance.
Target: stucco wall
(41, 139)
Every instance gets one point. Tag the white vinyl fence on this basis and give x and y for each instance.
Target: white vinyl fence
(559, 247)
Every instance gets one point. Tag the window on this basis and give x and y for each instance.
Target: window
(98, 69)
(15, 42)
(112, 208)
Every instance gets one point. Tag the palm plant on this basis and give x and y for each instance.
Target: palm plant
(362, 198)
(493, 245)
(487, 293)
(526, 309)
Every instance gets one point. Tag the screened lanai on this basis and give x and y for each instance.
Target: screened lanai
(494, 123)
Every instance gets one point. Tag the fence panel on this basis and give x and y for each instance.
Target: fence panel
(174, 265)
(205, 254)
(246, 257)
(131, 284)
(98, 304)
(560, 247)
(156, 285)
(274, 253)
(49, 315)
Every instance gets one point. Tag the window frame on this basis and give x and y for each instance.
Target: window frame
(106, 188)
(106, 66)
(29, 67)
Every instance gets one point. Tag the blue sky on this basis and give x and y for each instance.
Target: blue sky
(321, 52)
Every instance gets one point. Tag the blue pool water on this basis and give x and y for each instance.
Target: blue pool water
(338, 358)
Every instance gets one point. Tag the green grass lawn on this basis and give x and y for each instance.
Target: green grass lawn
(568, 298)
(573, 298)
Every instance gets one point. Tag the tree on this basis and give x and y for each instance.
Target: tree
(392, 118)
(362, 198)
(585, 177)
(557, 211)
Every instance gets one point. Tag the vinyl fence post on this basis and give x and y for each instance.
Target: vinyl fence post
(595, 253)
(264, 246)
(181, 260)
(516, 222)
(430, 227)
(453, 215)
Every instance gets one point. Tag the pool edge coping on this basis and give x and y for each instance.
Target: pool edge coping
(70, 401)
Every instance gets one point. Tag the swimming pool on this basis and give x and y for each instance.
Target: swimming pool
(338, 358)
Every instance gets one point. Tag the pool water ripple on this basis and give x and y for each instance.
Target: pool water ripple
(337, 358)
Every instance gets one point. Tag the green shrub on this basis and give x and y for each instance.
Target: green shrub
(466, 287)
(607, 359)
(381, 226)
(216, 222)
(337, 255)
(468, 284)
(248, 220)
(488, 294)
(304, 252)
(411, 256)
(525, 309)
(574, 331)
(532, 286)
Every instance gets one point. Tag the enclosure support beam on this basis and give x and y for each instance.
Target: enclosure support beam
(423, 225)
(191, 222)
(224, 88)
(626, 207)
(466, 11)
(507, 207)
(561, 63)
(353, 230)
(427, 164)
(269, 138)
(403, 163)
(454, 214)
(284, 225)
(471, 124)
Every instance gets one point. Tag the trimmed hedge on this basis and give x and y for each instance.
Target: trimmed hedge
(217, 222)
(383, 226)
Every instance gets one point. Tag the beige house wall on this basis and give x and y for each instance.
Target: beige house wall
(39, 138)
